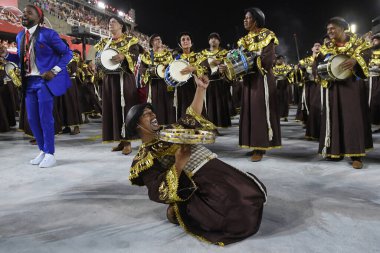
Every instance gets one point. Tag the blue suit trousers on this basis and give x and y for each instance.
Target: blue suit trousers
(39, 106)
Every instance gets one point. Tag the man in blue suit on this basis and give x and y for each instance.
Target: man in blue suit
(42, 57)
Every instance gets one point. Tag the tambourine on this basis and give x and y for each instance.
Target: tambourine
(187, 136)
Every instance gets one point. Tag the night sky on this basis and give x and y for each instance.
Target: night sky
(305, 18)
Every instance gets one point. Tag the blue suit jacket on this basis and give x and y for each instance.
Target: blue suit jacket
(49, 51)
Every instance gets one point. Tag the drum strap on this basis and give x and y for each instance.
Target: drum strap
(149, 100)
(321, 99)
(122, 102)
(175, 103)
(328, 131)
(108, 44)
(370, 91)
(266, 91)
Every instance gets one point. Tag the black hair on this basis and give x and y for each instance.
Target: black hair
(214, 35)
(154, 35)
(42, 17)
(258, 16)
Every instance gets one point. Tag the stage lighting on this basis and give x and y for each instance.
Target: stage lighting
(353, 28)
(101, 5)
(121, 14)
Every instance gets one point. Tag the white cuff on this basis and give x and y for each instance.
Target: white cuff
(57, 69)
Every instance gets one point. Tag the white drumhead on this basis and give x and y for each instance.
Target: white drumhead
(175, 70)
(105, 59)
(335, 68)
(160, 70)
(213, 67)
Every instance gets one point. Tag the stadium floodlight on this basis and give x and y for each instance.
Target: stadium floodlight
(353, 28)
(101, 5)
(121, 14)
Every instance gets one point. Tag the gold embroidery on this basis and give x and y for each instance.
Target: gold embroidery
(163, 191)
(257, 41)
(207, 125)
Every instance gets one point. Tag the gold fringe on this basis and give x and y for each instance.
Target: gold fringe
(260, 148)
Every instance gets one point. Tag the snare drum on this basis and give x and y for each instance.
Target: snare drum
(238, 63)
(331, 70)
(213, 67)
(103, 61)
(157, 71)
(173, 76)
(187, 136)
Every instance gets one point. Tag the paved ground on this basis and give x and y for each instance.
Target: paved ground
(86, 203)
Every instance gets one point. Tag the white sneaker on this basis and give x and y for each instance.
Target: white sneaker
(48, 161)
(38, 158)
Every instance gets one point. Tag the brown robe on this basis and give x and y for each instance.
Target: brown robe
(69, 102)
(112, 120)
(7, 103)
(253, 130)
(161, 95)
(218, 204)
(375, 100)
(350, 133)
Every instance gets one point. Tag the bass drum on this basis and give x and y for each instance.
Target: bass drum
(331, 70)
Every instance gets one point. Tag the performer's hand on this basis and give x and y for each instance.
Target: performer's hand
(182, 156)
(3, 51)
(202, 81)
(348, 64)
(48, 75)
(118, 58)
(215, 62)
(222, 68)
(188, 70)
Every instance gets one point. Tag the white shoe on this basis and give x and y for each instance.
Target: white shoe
(48, 161)
(38, 158)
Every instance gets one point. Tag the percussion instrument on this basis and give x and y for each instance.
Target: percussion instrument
(238, 63)
(331, 70)
(13, 72)
(213, 66)
(173, 76)
(187, 136)
(157, 71)
(103, 61)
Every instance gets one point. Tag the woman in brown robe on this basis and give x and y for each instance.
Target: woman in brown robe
(281, 73)
(259, 119)
(115, 104)
(208, 198)
(374, 82)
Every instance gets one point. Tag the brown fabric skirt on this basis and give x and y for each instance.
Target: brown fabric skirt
(218, 99)
(111, 104)
(253, 130)
(283, 98)
(313, 123)
(8, 107)
(227, 207)
(69, 106)
(162, 101)
(349, 120)
(185, 95)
